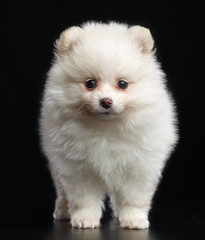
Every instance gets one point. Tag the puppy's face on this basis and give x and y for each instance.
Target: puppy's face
(106, 70)
(105, 99)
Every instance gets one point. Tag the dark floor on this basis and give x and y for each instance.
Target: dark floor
(33, 221)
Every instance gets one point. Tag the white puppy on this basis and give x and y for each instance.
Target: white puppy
(107, 123)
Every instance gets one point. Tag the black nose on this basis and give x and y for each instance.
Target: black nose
(106, 103)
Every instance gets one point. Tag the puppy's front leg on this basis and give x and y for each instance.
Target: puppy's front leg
(85, 202)
(132, 203)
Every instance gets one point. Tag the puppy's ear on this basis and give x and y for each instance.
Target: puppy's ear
(67, 40)
(143, 37)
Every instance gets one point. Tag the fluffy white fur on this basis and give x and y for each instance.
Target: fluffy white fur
(120, 153)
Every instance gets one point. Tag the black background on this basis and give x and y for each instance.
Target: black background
(28, 32)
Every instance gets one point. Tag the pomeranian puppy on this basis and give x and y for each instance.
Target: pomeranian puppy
(107, 123)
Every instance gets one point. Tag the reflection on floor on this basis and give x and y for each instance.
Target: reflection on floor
(33, 221)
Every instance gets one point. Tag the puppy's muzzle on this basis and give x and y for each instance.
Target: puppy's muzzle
(106, 103)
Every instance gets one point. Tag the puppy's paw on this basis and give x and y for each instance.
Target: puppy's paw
(61, 214)
(85, 219)
(61, 209)
(134, 223)
(85, 223)
(132, 218)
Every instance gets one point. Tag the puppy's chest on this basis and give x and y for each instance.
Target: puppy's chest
(109, 156)
(100, 149)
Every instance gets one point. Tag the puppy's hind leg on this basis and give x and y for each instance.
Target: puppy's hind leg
(61, 211)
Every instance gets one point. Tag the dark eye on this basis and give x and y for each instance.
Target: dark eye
(122, 84)
(90, 84)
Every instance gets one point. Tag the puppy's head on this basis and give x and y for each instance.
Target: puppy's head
(104, 70)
